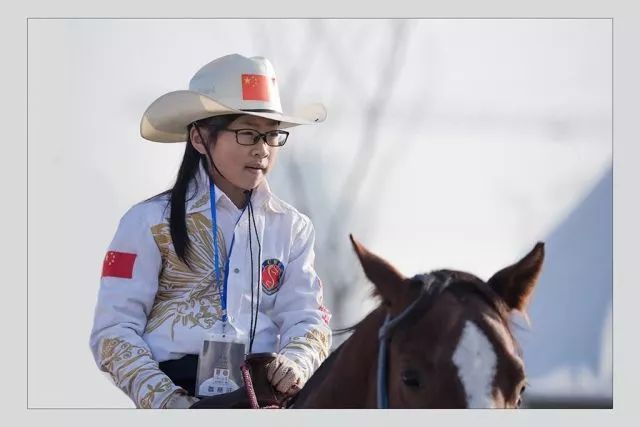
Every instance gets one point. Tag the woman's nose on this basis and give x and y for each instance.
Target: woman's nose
(261, 149)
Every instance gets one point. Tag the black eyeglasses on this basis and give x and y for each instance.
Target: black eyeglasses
(274, 138)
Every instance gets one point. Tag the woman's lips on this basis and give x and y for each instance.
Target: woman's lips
(255, 170)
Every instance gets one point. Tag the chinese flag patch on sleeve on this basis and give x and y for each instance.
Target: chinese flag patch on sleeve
(118, 264)
(255, 87)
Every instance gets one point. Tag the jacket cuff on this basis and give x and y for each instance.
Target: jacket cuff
(180, 400)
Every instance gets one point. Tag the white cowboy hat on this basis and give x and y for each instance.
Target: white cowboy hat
(232, 84)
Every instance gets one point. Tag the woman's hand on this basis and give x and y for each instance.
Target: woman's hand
(286, 375)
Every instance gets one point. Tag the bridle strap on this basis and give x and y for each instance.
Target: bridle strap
(381, 383)
(429, 288)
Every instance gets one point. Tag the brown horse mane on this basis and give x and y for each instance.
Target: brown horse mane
(462, 284)
(466, 283)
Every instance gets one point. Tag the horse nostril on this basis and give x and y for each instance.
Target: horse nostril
(410, 378)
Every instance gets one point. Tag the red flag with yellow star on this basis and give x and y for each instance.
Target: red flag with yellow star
(118, 264)
(255, 87)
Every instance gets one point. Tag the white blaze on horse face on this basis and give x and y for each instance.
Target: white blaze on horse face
(476, 361)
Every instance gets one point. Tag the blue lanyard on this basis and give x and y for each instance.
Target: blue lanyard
(216, 256)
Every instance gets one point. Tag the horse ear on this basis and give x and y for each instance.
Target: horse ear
(515, 283)
(387, 280)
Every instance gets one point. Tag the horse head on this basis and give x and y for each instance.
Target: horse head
(452, 344)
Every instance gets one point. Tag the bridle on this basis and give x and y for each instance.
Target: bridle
(431, 287)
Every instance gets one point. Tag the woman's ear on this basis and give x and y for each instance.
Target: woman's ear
(195, 139)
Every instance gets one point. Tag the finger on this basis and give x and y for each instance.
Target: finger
(295, 388)
(273, 367)
(284, 386)
(280, 374)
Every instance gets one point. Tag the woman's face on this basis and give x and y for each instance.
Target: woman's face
(245, 166)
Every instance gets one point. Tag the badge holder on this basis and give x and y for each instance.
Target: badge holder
(222, 353)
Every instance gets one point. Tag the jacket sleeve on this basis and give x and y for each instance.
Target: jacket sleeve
(127, 291)
(305, 336)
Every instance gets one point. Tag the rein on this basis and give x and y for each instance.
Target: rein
(251, 393)
(430, 288)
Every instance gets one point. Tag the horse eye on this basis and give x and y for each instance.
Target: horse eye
(410, 378)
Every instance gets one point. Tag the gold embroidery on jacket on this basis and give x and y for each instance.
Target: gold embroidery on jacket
(161, 386)
(117, 355)
(188, 296)
(204, 199)
(316, 340)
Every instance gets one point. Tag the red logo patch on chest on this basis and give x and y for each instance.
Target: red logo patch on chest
(272, 275)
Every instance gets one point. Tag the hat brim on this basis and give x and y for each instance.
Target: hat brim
(167, 118)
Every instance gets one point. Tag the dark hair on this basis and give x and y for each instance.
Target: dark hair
(187, 172)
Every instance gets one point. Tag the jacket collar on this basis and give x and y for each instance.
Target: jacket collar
(198, 194)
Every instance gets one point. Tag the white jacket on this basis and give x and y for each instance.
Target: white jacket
(152, 308)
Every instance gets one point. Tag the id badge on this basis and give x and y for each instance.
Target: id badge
(222, 353)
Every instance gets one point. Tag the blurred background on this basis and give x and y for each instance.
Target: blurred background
(449, 144)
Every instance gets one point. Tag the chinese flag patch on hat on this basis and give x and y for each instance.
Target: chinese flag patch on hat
(118, 264)
(255, 87)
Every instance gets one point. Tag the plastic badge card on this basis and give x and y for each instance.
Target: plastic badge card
(222, 354)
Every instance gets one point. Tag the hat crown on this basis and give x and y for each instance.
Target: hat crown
(232, 84)
(239, 82)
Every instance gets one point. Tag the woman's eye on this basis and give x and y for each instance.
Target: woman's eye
(410, 378)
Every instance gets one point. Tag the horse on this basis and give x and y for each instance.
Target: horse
(438, 340)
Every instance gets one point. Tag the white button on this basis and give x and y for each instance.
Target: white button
(236, 270)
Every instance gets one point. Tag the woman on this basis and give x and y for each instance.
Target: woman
(168, 279)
